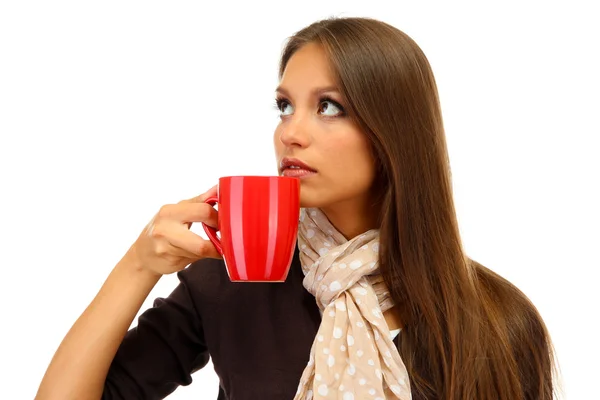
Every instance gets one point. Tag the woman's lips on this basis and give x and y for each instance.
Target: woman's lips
(296, 168)
(297, 173)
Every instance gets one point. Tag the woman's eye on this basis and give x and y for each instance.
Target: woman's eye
(329, 108)
(285, 108)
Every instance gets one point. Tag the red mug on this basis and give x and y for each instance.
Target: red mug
(258, 222)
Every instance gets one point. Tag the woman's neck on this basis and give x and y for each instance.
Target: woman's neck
(351, 220)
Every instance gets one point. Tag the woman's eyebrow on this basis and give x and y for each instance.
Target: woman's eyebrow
(315, 92)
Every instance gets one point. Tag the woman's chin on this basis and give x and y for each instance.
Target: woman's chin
(308, 202)
(304, 204)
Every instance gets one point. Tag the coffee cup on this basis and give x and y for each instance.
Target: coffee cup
(258, 226)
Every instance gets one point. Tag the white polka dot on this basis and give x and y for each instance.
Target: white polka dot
(361, 291)
(337, 376)
(335, 253)
(376, 312)
(387, 353)
(376, 335)
(364, 247)
(351, 369)
(343, 348)
(378, 373)
(327, 244)
(320, 277)
(320, 338)
(331, 313)
(331, 360)
(310, 233)
(341, 388)
(360, 324)
(311, 360)
(317, 377)
(348, 396)
(402, 381)
(309, 395)
(340, 305)
(359, 353)
(358, 301)
(303, 247)
(372, 392)
(350, 340)
(350, 313)
(342, 265)
(395, 389)
(362, 381)
(337, 332)
(356, 264)
(323, 251)
(371, 362)
(326, 350)
(372, 265)
(334, 286)
(313, 213)
(323, 390)
(375, 247)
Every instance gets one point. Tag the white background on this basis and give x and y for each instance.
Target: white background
(110, 109)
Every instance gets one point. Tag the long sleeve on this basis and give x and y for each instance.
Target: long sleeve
(161, 352)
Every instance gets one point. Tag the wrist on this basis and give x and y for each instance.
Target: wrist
(134, 264)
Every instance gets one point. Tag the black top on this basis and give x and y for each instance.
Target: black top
(259, 337)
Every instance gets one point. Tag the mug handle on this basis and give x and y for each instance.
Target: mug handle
(210, 231)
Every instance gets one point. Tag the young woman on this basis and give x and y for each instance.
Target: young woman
(381, 300)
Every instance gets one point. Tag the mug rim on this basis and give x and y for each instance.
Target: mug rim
(259, 177)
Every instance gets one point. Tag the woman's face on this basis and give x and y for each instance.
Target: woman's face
(315, 130)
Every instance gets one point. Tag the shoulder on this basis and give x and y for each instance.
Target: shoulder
(511, 305)
(518, 322)
(206, 277)
(199, 270)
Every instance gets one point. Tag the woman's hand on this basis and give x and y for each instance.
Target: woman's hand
(167, 245)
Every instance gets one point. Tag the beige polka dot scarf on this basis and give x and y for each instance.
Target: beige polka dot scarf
(353, 356)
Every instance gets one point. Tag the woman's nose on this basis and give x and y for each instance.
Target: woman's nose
(295, 131)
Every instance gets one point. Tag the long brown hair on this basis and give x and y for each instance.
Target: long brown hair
(468, 333)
